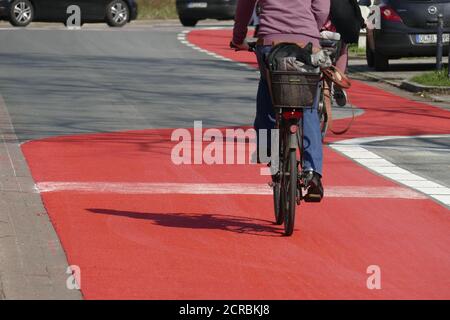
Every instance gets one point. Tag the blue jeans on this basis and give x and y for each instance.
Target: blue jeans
(265, 119)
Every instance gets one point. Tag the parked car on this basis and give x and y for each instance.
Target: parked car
(115, 13)
(191, 11)
(408, 28)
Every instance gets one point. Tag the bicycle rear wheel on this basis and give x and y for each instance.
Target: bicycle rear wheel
(291, 192)
(278, 209)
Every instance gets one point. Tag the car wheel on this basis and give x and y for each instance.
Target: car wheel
(369, 56)
(188, 22)
(381, 62)
(22, 13)
(117, 13)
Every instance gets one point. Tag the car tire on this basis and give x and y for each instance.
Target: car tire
(369, 55)
(188, 22)
(381, 62)
(117, 13)
(21, 13)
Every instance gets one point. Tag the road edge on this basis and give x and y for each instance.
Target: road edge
(33, 264)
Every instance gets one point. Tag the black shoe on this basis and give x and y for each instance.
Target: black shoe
(314, 191)
(340, 96)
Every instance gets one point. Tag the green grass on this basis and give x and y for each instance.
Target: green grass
(157, 9)
(354, 50)
(434, 78)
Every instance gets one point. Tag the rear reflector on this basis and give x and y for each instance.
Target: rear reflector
(287, 115)
(293, 128)
(389, 14)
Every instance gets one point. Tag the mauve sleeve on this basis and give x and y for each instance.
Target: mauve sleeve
(321, 11)
(244, 11)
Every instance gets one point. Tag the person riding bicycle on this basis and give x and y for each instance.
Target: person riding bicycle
(347, 20)
(295, 21)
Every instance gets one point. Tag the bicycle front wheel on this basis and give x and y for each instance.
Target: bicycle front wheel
(278, 209)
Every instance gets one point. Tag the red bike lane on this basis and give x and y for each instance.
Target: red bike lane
(116, 204)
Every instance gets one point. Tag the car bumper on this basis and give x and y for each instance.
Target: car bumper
(4, 8)
(213, 11)
(398, 45)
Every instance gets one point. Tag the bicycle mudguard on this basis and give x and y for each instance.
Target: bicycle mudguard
(293, 142)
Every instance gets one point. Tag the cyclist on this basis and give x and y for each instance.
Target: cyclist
(297, 21)
(347, 20)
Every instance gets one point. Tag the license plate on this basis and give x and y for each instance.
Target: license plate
(201, 5)
(430, 38)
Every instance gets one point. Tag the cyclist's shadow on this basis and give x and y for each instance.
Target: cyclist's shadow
(229, 223)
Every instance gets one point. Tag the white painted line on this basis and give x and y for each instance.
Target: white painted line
(361, 155)
(385, 170)
(375, 162)
(423, 184)
(357, 142)
(182, 37)
(219, 189)
(353, 148)
(434, 191)
(404, 177)
(443, 199)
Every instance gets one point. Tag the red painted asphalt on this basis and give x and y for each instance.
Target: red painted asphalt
(225, 246)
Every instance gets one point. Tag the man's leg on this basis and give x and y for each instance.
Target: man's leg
(340, 96)
(342, 60)
(312, 155)
(312, 150)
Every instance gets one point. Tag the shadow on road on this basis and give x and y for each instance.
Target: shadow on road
(234, 224)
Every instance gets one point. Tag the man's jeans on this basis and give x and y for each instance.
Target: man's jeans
(265, 119)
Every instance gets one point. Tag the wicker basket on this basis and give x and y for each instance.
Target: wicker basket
(291, 89)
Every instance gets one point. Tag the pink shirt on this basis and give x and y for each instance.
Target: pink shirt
(295, 20)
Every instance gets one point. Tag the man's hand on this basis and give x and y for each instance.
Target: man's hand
(240, 47)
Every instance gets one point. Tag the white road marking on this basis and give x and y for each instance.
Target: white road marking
(220, 189)
(182, 38)
(353, 149)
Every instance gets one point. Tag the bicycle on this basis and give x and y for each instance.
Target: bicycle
(288, 181)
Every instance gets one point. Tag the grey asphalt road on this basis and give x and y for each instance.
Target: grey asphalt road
(428, 157)
(57, 82)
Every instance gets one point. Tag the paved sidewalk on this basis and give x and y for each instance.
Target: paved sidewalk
(32, 262)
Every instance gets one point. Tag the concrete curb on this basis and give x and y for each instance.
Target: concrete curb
(418, 88)
(408, 86)
(33, 264)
